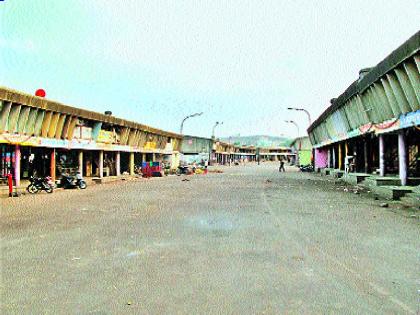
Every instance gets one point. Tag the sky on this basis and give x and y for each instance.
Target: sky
(239, 62)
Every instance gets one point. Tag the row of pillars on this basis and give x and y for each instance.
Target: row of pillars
(117, 162)
(402, 156)
(80, 163)
(16, 174)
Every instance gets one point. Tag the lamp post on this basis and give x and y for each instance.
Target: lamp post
(212, 140)
(297, 126)
(214, 127)
(294, 123)
(189, 116)
(302, 110)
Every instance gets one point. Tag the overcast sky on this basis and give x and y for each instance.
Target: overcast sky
(240, 62)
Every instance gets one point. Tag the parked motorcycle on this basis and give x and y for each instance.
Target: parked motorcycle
(40, 183)
(183, 169)
(306, 168)
(69, 181)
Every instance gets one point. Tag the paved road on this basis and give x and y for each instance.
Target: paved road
(249, 241)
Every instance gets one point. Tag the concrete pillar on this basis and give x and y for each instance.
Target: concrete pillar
(402, 157)
(118, 163)
(329, 158)
(131, 163)
(17, 165)
(81, 162)
(154, 157)
(333, 156)
(52, 165)
(340, 156)
(366, 156)
(143, 157)
(381, 155)
(101, 164)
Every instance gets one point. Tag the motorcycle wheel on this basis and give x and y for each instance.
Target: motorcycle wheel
(49, 189)
(32, 189)
(82, 184)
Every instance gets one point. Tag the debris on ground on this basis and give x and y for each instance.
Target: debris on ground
(185, 180)
(384, 205)
(268, 181)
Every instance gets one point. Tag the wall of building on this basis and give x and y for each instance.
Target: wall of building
(305, 157)
(379, 101)
(321, 157)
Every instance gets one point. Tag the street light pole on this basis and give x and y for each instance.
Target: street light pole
(297, 126)
(213, 139)
(214, 127)
(189, 116)
(294, 123)
(302, 110)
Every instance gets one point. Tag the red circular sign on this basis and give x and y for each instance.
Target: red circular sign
(40, 93)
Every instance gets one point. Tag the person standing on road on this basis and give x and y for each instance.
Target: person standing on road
(281, 168)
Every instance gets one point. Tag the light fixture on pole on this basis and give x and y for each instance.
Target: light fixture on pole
(297, 126)
(214, 127)
(189, 116)
(294, 123)
(302, 110)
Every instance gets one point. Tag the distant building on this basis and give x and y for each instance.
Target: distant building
(302, 147)
(196, 149)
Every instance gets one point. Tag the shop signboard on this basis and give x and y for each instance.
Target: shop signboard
(82, 144)
(53, 143)
(86, 133)
(23, 140)
(113, 147)
(410, 119)
(105, 136)
(150, 145)
(169, 147)
(82, 132)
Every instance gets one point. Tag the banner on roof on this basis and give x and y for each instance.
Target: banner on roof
(387, 126)
(410, 119)
(365, 128)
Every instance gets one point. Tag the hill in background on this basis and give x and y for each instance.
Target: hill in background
(259, 141)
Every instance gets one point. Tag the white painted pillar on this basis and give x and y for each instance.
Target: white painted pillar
(81, 162)
(118, 163)
(381, 155)
(17, 165)
(333, 157)
(131, 163)
(329, 158)
(402, 158)
(101, 164)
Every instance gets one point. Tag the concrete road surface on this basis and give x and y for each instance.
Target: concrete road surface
(248, 241)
